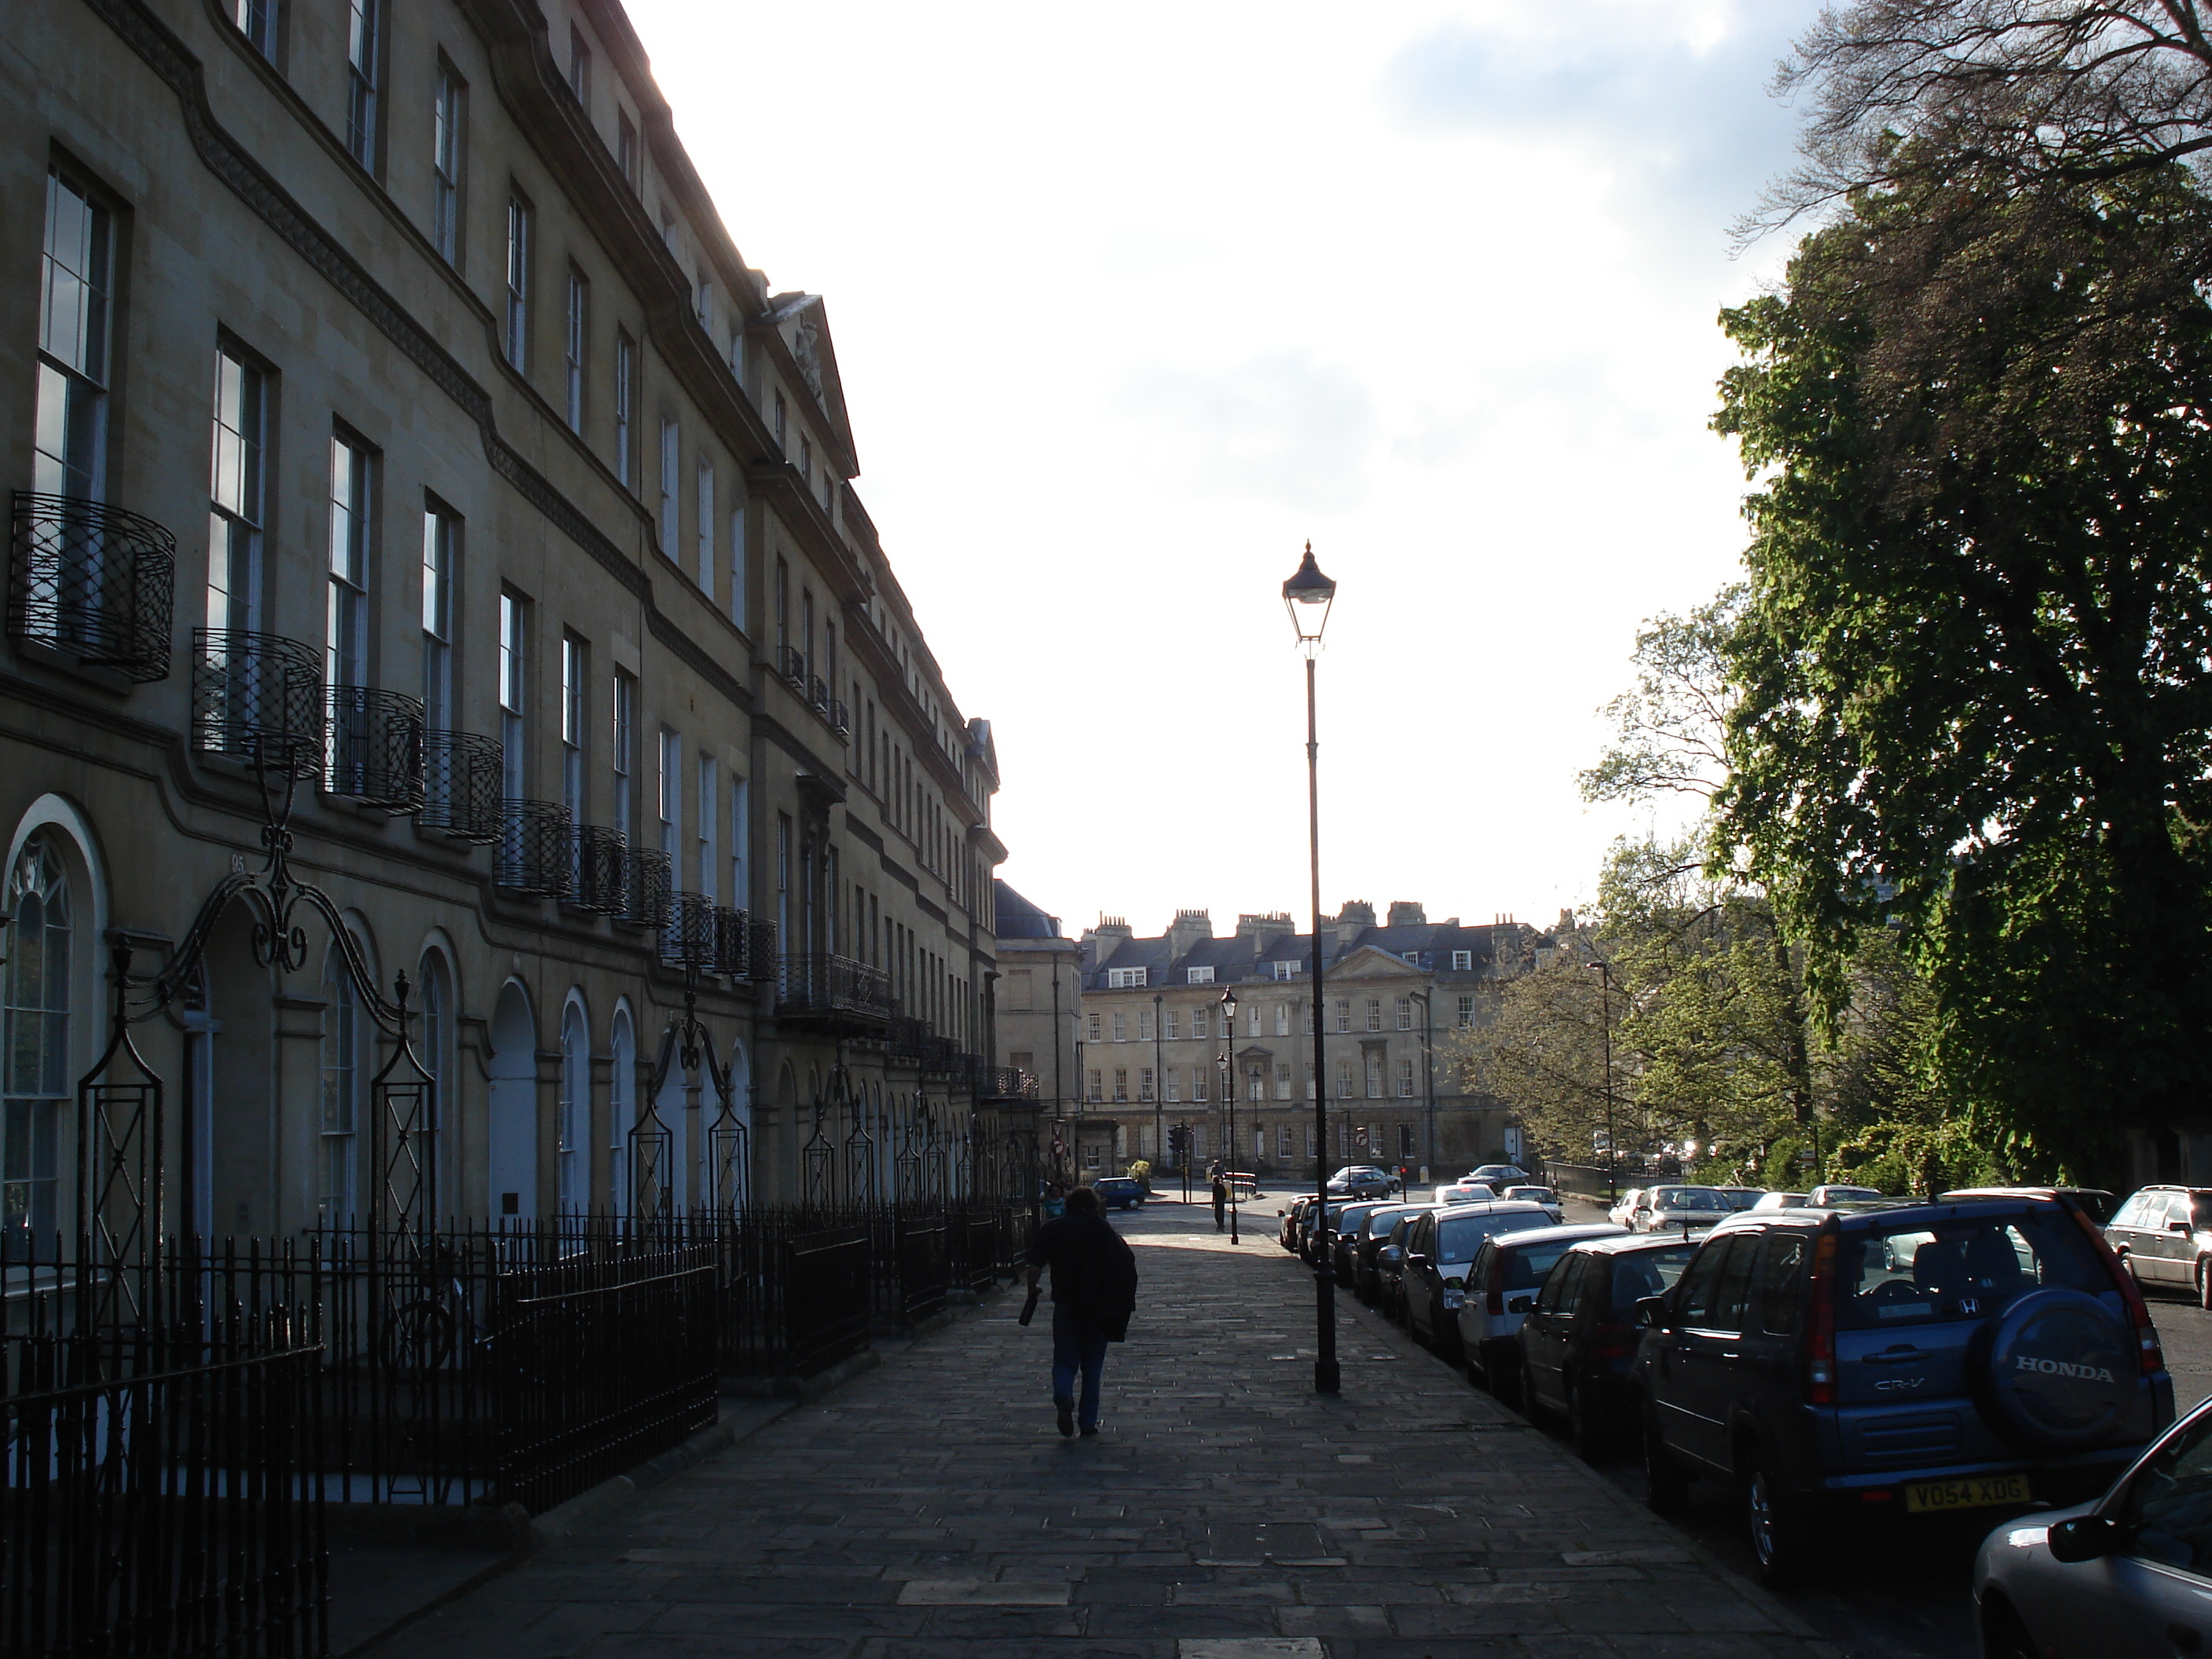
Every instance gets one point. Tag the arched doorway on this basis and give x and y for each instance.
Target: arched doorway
(512, 1150)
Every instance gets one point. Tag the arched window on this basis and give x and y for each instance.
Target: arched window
(621, 1112)
(341, 1082)
(575, 1105)
(37, 1002)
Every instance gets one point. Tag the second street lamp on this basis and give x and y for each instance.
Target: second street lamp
(1229, 1099)
(1308, 597)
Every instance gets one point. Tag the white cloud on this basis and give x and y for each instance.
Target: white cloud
(1131, 304)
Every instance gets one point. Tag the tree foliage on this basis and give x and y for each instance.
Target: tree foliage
(1975, 664)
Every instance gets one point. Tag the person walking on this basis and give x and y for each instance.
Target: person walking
(1220, 1203)
(1094, 1292)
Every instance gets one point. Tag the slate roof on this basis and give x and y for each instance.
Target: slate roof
(1017, 918)
(1426, 945)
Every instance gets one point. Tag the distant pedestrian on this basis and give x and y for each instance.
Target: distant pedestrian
(1220, 1205)
(1094, 1291)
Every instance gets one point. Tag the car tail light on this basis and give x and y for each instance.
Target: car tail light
(1496, 1287)
(1613, 1341)
(2148, 1354)
(1820, 1329)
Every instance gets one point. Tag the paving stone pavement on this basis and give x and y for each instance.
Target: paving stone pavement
(931, 1511)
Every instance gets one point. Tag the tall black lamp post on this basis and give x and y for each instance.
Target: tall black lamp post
(1229, 1099)
(1604, 972)
(1159, 1086)
(1307, 596)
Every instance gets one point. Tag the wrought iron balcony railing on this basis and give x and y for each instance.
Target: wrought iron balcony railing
(258, 698)
(832, 985)
(817, 693)
(906, 1038)
(940, 1054)
(760, 949)
(596, 866)
(791, 663)
(94, 582)
(372, 748)
(646, 886)
(533, 849)
(461, 773)
(1007, 1083)
(733, 943)
(841, 719)
(691, 936)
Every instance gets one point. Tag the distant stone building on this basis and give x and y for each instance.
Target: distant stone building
(1040, 999)
(1152, 1037)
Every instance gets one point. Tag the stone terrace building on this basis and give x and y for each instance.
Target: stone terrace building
(392, 414)
(1152, 1021)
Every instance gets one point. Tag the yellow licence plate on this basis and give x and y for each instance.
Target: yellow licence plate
(1924, 1495)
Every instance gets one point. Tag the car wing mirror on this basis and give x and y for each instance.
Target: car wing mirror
(2083, 1538)
(1651, 1312)
(1415, 1259)
(1521, 1304)
(2178, 1227)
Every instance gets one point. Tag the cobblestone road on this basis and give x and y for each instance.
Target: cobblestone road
(931, 1511)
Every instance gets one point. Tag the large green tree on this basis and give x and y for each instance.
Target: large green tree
(1975, 665)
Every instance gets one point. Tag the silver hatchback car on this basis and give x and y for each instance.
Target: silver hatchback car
(2129, 1574)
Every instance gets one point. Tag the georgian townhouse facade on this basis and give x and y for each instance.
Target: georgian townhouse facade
(1153, 1030)
(416, 499)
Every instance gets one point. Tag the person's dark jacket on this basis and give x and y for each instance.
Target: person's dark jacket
(1093, 1269)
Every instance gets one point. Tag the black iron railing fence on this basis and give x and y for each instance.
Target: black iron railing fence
(150, 1503)
(462, 772)
(822, 984)
(373, 752)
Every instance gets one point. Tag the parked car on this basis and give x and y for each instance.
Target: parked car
(1119, 1192)
(1390, 1264)
(2165, 1236)
(1366, 1276)
(1832, 1193)
(1438, 1251)
(1310, 1230)
(1578, 1343)
(1678, 1209)
(1349, 1222)
(1286, 1234)
(1783, 1202)
(1362, 1181)
(1924, 1357)
(1624, 1207)
(1543, 1195)
(1499, 1175)
(2096, 1200)
(2127, 1574)
(1502, 1283)
(1741, 1198)
(1463, 1192)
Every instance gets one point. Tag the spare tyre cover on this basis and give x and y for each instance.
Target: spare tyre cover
(2060, 1372)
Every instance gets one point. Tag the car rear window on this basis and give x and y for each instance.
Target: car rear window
(1525, 1267)
(1648, 1273)
(1459, 1237)
(1905, 1274)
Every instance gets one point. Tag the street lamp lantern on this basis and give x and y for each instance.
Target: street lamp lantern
(1229, 1100)
(1307, 595)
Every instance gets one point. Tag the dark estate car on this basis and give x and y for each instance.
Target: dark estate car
(1119, 1192)
(1914, 1358)
(1439, 1248)
(1502, 1284)
(1366, 1250)
(1350, 1221)
(1362, 1181)
(1578, 1343)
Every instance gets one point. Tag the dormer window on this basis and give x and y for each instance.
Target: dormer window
(1198, 976)
(1124, 979)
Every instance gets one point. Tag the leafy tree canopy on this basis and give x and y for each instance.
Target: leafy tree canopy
(1975, 663)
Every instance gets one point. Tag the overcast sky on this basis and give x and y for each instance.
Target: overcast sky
(1131, 302)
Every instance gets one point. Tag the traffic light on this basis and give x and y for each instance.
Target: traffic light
(1179, 1138)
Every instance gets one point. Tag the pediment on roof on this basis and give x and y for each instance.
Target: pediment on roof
(801, 325)
(1371, 962)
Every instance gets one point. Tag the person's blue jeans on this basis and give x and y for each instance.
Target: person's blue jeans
(1077, 1345)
